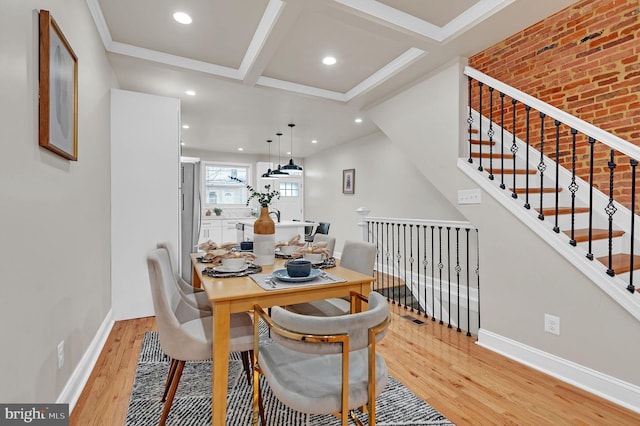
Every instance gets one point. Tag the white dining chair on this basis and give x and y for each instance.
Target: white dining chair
(323, 365)
(358, 256)
(184, 339)
(331, 242)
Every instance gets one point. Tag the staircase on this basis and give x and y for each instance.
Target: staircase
(587, 226)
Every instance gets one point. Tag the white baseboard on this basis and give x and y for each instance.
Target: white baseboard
(602, 385)
(74, 386)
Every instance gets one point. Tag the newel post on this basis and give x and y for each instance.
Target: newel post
(362, 223)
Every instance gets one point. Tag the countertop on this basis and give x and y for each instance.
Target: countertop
(283, 224)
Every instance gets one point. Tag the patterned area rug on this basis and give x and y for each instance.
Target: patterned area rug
(192, 404)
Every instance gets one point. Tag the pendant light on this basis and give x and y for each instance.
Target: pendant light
(292, 167)
(268, 174)
(278, 172)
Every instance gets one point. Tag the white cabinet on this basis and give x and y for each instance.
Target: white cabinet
(229, 230)
(218, 230)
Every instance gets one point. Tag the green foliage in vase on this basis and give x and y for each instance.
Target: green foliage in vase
(264, 198)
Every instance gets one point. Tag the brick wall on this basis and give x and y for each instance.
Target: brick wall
(583, 60)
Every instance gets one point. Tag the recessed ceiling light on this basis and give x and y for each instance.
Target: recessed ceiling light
(314, 141)
(190, 92)
(241, 149)
(358, 120)
(329, 60)
(185, 126)
(182, 18)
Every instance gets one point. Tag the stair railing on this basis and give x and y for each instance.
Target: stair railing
(429, 267)
(611, 169)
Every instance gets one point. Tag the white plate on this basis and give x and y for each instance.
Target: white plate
(282, 275)
(225, 269)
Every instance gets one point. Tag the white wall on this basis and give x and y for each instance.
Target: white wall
(386, 182)
(54, 227)
(522, 278)
(145, 167)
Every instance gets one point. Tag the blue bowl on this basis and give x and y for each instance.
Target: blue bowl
(299, 268)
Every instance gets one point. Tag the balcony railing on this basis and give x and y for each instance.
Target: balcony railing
(430, 268)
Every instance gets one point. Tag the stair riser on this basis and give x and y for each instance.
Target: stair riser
(601, 247)
(581, 221)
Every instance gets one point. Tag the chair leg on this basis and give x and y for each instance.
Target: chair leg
(246, 357)
(172, 371)
(172, 393)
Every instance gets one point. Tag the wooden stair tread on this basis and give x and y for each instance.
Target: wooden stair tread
(551, 211)
(620, 262)
(482, 142)
(487, 155)
(535, 190)
(510, 171)
(582, 235)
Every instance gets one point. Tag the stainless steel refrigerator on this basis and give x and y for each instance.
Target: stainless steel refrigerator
(190, 203)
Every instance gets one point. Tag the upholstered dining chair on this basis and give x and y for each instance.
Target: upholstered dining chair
(184, 339)
(359, 256)
(331, 242)
(195, 297)
(323, 365)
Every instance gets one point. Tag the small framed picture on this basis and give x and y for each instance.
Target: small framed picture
(58, 91)
(348, 181)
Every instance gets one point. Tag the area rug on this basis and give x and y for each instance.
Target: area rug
(396, 405)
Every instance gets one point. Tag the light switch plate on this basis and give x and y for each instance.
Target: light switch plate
(469, 196)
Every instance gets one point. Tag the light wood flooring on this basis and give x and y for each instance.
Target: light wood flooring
(469, 384)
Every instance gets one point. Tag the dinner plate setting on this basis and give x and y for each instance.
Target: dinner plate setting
(282, 275)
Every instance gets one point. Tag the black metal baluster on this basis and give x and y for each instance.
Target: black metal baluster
(449, 273)
(490, 133)
(402, 273)
(611, 210)
(386, 260)
(541, 166)
(556, 228)
(502, 185)
(411, 261)
(633, 163)
(527, 206)
(514, 148)
(573, 187)
(480, 84)
(440, 266)
(592, 141)
(433, 275)
(470, 121)
(425, 263)
(458, 269)
(396, 260)
(404, 261)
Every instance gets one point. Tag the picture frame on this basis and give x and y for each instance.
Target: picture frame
(348, 181)
(58, 110)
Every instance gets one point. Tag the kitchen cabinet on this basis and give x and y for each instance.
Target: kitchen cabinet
(219, 230)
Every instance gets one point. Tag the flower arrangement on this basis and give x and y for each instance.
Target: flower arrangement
(264, 198)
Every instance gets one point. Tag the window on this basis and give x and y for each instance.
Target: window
(289, 189)
(220, 186)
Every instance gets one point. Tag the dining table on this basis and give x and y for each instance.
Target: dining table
(231, 294)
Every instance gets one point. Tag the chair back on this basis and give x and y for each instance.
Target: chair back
(356, 325)
(358, 256)
(331, 242)
(166, 302)
(323, 228)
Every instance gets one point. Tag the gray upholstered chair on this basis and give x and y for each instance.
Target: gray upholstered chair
(359, 256)
(184, 339)
(331, 242)
(322, 228)
(323, 365)
(195, 297)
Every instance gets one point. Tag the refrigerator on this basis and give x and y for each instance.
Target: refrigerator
(190, 211)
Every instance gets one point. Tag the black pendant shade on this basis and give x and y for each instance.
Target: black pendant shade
(292, 166)
(278, 172)
(268, 174)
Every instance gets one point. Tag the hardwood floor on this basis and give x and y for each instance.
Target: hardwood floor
(467, 383)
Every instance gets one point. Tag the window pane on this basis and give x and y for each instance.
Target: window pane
(220, 187)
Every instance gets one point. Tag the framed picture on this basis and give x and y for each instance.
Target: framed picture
(58, 91)
(348, 181)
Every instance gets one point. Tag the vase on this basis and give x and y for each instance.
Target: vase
(264, 238)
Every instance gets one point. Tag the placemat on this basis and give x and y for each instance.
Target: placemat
(267, 282)
(251, 269)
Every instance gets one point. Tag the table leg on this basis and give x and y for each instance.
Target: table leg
(195, 279)
(220, 357)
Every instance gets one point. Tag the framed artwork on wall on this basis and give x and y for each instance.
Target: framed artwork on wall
(348, 181)
(58, 123)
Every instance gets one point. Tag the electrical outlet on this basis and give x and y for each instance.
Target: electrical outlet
(61, 354)
(469, 196)
(552, 324)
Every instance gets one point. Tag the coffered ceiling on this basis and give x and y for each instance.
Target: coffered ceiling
(256, 65)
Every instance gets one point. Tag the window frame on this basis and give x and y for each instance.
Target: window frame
(223, 164)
